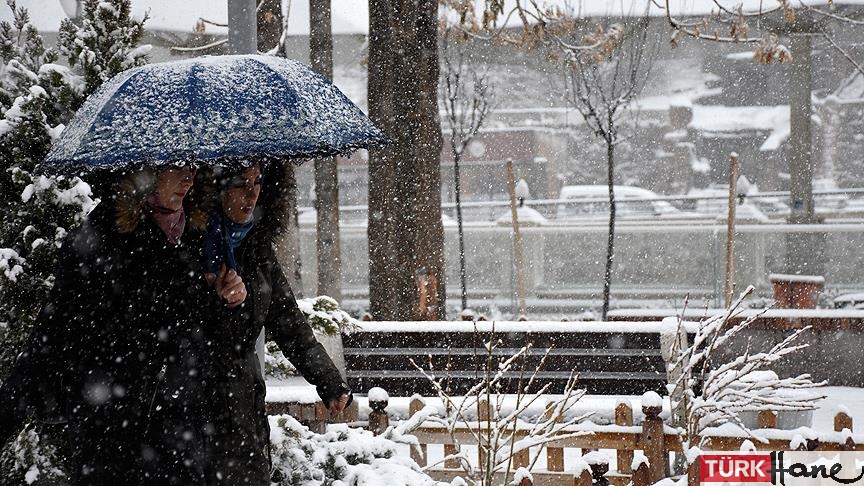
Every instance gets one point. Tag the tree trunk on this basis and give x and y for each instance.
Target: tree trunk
(457, 189)
(326, 173)
(429, 246)
(269, 18)
(382, 166)
(610, 242)
(406, 237)
(287, 244)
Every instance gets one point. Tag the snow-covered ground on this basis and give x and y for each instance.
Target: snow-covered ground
(850, 400)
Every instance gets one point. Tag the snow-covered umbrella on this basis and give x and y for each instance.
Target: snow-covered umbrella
(211, 110)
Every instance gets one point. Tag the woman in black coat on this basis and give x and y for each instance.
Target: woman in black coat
(112, 322)
(240, 237)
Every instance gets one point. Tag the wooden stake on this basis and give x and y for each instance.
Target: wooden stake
(517, 239)
(728, 288)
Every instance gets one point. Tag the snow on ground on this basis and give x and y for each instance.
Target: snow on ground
(847, 399)
(602, 407)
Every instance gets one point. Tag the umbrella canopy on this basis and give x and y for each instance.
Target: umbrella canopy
(211, 110)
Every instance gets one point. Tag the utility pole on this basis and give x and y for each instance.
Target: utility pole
(804, 251)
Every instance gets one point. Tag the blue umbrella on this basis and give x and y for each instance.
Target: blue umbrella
(211, 110)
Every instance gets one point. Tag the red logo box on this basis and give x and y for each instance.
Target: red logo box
(735, 468)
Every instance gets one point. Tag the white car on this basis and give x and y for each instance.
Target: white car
(578, 202)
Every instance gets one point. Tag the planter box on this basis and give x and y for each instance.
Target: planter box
(797, 291)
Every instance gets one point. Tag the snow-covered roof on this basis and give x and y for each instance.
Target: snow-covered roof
(725, 119)
(352, 16)
(349, 16)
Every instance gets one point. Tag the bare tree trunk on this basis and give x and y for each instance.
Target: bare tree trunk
(269, 18)
(803, 251)
(610, 242)
(382, 166)
(429, 246)
(457, 187)
(406, 237)
(326, 173)
(327, 247)
(287, 244)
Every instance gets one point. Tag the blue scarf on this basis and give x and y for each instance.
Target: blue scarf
(223, 236)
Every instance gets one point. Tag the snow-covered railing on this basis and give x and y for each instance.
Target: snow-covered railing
(641, 452)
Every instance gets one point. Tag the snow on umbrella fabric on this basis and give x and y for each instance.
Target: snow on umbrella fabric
(211, 110)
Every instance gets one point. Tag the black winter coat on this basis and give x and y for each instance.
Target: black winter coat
(113, 320)
(234, 423)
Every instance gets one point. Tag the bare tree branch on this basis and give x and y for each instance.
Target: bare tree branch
(201, 48)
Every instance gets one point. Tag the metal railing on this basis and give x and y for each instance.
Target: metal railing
(829, 204)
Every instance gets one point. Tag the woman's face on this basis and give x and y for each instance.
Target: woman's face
(171, 187)
(239, 199)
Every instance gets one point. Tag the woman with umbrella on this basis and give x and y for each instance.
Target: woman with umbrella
(231, 413)
(110, 323)
(201, 110)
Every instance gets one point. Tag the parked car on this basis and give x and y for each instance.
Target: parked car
(713, 202)
(578, 202)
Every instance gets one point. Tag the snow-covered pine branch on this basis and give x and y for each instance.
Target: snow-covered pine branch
(324, 316)
(103, 23)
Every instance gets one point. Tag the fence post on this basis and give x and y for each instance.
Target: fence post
(624, 416)
(640, 476)
(418, 454)
(653, 440)
(554, 455)
(378, 419)
(599, 464)
(584, 478)
(843, 421)
(693, 473)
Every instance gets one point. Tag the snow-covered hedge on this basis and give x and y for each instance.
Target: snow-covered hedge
(341, 456)
(324, 317)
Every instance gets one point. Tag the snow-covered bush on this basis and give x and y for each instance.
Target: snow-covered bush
(31, 459)
(276, 365)
(707, 392)
(105, 43)
(342, 455)
(35, 211)
(324, 317)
